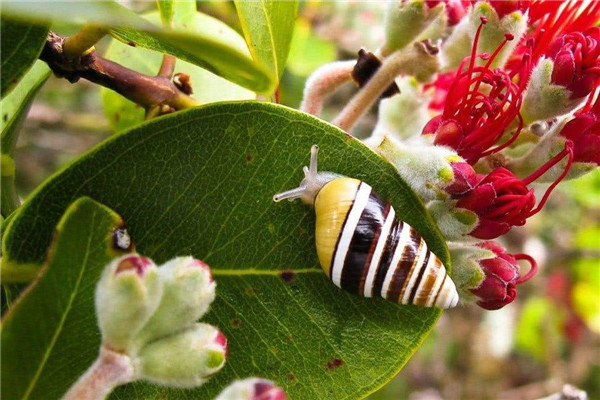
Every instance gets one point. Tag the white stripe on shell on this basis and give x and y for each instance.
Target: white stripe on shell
(358, 206)
(402, 242)
(376, 259)
(415, 268)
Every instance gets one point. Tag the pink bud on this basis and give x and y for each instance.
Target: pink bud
(267, 390)
(501, 277)
(201, 264)
(505, 7)
(465, 179)
(134, 262)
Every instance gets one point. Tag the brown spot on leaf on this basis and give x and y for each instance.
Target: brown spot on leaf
(287, 276)
(291, 377)
(5, 117)
(250, 291)
(335, 363)
(235, 323)
(249, 158)
(117, 117)
(131, 44)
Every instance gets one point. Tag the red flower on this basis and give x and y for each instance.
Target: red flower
(576, 59)
(505, 7)
(499, 287)
(480, 105)
(501, 200)
(455, 9)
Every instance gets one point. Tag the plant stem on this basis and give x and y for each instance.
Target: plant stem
(322, 82)
(147, 91)
(110, 370)
(418, 60)
(76, 45)
(168, 66)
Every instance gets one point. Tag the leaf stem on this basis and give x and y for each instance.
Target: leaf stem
(147, 91)
(78, 44)
(110, 370)
(323, 82)
(418, 60)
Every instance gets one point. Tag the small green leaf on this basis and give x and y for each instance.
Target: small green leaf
(308, 51)
(208, 87)
(13, 109)
(166, 11)
(268, 26)
(16, 105)
(200, 47)
(200, 182)
(21, 45)
(49, 336)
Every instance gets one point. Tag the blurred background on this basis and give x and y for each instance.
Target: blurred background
(548, 337)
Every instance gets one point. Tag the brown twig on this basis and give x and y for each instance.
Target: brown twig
(147, 91)
(167, 67)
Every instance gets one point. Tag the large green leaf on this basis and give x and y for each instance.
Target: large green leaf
(14, 108)
(268, 27)
(201, 182)
(208, 87)
(48, 336)
(21, 44)
(201, 47)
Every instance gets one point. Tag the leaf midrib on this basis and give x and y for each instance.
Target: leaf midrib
(63, 317)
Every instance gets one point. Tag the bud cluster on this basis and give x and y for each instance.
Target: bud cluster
(515, 103)
(149, 314)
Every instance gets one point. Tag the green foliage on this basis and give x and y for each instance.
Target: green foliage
(200, 46)
(268, 27)
(123, 113)
(49, 336)
(14, 108)
(200, 182)
(165, 7)
(308, 51)
(21, 45)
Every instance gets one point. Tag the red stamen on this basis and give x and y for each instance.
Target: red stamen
(532, 270)
(568, 151)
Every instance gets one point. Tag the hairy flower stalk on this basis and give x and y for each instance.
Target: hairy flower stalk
(480, 106)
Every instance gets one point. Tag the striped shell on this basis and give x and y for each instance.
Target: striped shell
(364, 248)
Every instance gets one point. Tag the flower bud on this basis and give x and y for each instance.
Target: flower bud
(127, 295)
(429, 170)
(500, 200)
(455, 10)
(584, 132)
(576, 59)
(252, 389)
(498, 288)
(185, 359)
(405, 21)
(189, 289)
